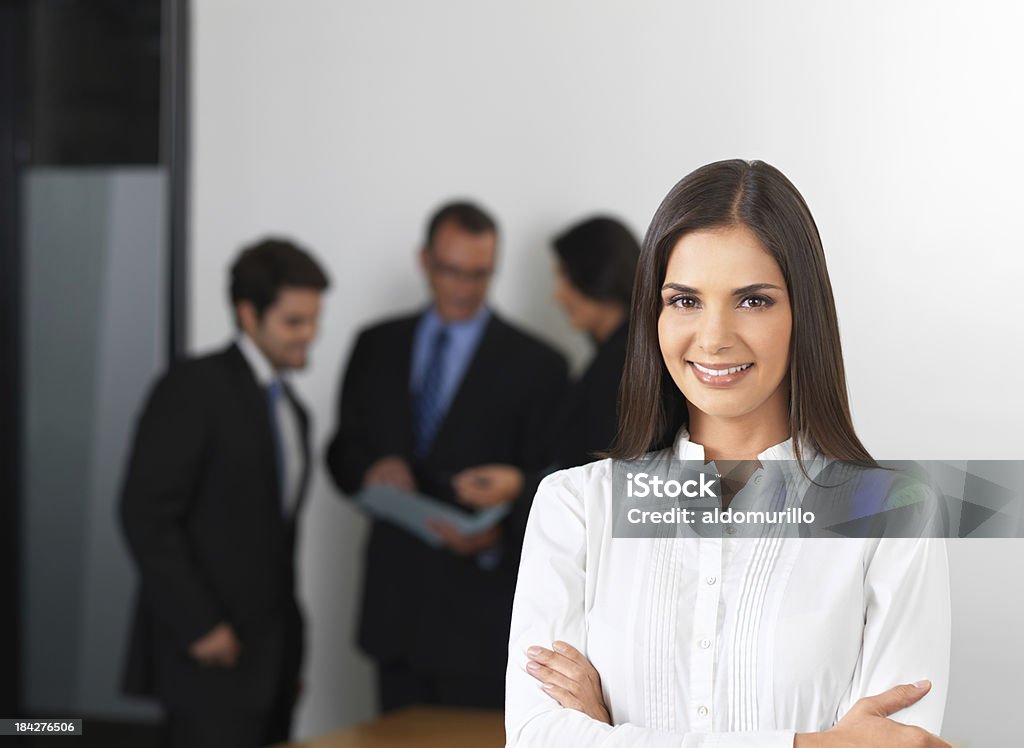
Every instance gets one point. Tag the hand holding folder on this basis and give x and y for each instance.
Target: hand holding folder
(415, 511)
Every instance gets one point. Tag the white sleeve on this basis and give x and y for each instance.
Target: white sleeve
(906, 627)
(550, 604)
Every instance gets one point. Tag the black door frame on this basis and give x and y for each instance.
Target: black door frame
(174, 149)
(13, 154)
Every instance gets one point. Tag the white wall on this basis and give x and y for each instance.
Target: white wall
(344, 123)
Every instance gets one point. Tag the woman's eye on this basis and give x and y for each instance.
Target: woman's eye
(684, 302)
(756, 302)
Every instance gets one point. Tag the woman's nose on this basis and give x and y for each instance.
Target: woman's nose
(715, 332)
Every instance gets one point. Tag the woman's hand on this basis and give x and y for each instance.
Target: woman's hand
(569, 679)
(867, 724)
(488, 485)
(465, 545)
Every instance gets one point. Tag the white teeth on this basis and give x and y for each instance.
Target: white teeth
(721, 372)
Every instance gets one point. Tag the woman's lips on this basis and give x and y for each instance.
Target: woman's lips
(719, 375)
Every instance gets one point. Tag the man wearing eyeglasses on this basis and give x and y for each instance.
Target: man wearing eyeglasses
(425, 398)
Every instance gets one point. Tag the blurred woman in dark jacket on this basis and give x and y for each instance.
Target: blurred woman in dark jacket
(596, 262)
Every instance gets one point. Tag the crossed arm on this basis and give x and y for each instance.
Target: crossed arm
(569, 679)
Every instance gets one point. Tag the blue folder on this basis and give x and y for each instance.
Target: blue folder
(412, 511)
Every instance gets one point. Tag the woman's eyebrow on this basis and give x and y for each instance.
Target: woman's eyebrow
(754, 288)
(680, 288)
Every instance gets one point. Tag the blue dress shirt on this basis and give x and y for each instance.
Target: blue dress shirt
(463, 339)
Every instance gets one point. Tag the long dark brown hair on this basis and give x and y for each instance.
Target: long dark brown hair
(756, 195)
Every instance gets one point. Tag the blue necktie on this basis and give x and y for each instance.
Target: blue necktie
(428, 399)
(275, 391)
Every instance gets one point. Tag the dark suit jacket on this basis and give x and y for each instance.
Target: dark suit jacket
(202, 515)
(589, 420)
(442, 612)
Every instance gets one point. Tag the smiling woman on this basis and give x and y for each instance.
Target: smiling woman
(747, 227)
(727, 348)
(714, 638)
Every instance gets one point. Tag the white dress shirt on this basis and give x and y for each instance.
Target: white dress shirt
(287, 419)
(722, 641)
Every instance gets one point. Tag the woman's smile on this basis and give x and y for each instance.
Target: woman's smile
(719, 375)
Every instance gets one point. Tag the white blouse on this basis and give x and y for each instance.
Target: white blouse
(722, 641)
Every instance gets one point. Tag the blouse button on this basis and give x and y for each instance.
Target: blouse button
(712, 580)
(730, 529)
(702, 711)
(757, 480)
(705, 643)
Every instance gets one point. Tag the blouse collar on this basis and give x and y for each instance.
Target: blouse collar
(781, 454)
(685, 449)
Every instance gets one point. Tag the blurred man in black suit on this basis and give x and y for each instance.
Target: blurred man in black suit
(216, 478)
(424, 398)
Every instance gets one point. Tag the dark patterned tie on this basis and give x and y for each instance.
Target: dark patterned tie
(275, 391)
(428, 399)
